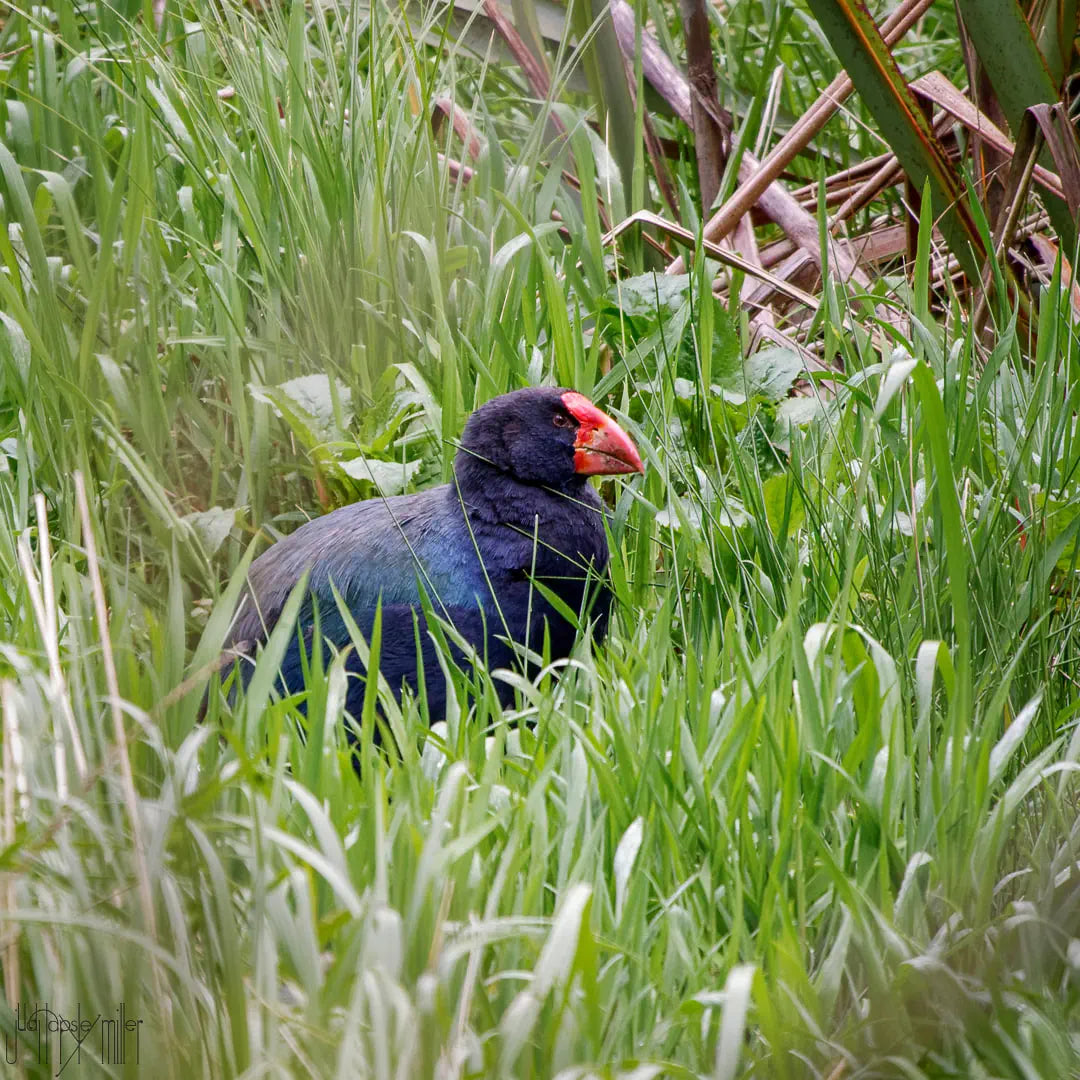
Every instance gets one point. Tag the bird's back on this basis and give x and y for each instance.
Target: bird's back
(371, 550)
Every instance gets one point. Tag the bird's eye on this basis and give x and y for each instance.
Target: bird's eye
(560, 420)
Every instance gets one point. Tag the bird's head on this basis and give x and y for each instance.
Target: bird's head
(548, 437)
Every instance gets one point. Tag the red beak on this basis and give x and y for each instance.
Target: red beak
(601, 446)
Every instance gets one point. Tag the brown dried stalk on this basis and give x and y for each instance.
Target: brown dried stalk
(775, 200)
(759, 178)
(446, 108)
(714, 251)
(712, 130)
(534, 70)
(936, 88)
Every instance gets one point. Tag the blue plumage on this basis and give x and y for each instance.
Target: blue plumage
(519, 510)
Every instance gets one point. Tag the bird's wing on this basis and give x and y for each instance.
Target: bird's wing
(381, 548)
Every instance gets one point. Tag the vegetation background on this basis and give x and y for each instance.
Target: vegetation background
(811, 811)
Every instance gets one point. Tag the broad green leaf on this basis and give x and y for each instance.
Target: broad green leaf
(389, 477)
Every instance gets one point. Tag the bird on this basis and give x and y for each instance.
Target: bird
(518, 518)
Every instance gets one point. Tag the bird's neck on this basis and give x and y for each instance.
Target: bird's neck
(494, 494)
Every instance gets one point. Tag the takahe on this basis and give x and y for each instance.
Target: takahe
(519, 510)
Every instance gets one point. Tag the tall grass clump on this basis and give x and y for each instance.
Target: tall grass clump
(812, 808)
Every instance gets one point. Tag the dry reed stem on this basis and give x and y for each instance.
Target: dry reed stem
(761, 177)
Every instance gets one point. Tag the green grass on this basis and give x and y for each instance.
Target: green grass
(811, 811)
